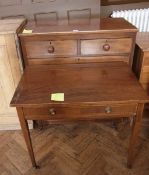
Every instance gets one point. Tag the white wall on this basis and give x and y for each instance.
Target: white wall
(59, 8)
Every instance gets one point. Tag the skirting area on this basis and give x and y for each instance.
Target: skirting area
(74, 149)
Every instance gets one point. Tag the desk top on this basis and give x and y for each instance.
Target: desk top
(95, 25)
(101, 83)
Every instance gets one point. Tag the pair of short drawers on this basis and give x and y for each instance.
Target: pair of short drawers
(50, 49)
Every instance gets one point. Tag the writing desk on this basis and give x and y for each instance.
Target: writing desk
(92, 92)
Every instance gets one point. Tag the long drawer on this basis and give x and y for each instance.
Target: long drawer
(46, 49)
(106, 46)
(88, 112)
(77, 60)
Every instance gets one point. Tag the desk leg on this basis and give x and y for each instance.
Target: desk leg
(26, 133)
(135, 133)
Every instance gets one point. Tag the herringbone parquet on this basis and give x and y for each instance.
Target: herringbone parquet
(73, 149)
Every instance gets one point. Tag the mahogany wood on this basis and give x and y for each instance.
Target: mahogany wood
(106, 46)
(71, 43)
(92, 92)
(26, 134)
(97, 91)
(58, 113)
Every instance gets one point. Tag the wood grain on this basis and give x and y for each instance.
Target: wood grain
(81, 85)
(71, 43)
(40, 49)
(25, 130)
(90, 94)
(116, 46)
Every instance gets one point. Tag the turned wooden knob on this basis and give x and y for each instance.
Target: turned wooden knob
(51, 49)
(52, 111)
(106, 47)
(108, 110)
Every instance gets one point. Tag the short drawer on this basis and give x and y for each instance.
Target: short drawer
(106, 46)
(45, 49)
(88, 112)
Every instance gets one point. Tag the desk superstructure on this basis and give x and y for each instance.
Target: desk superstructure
(101, 40)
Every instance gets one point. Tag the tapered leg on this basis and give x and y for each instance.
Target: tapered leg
(26, 133)
(135, 133)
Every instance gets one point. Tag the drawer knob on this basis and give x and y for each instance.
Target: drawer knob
(108, 110)
(52, 111)
(51, 49)
(106, 47)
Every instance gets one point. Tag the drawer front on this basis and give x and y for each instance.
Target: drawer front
(106, 46)
(93, 112)
(46, 49)
(104, 58)
(77, 60)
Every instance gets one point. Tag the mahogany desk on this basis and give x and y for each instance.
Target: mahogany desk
(92, 92)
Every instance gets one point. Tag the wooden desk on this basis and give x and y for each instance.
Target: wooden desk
(92, 92)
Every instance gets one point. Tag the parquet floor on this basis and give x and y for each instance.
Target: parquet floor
(74, 149)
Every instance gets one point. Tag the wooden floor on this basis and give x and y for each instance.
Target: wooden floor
(74, 149)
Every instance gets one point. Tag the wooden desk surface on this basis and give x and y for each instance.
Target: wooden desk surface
(92, 92)
(95, 25)
(101, 83)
